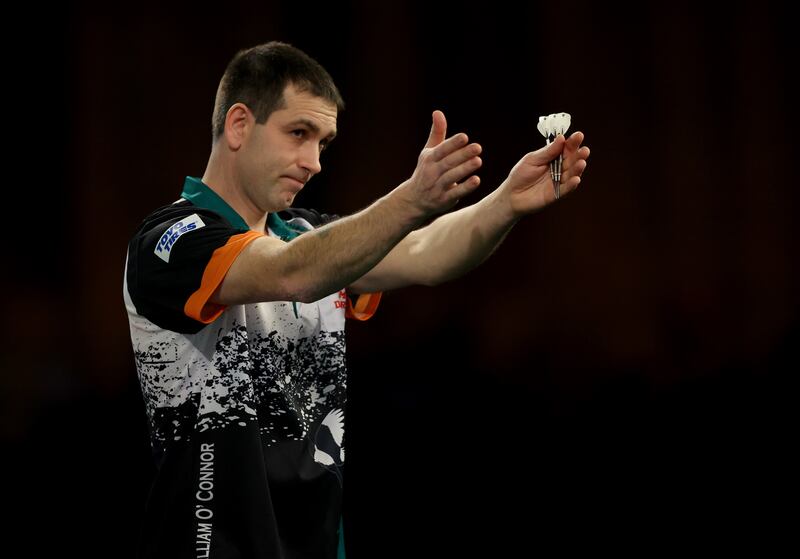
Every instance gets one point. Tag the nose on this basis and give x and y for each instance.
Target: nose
(309, 159)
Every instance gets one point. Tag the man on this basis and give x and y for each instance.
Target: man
(237, 306)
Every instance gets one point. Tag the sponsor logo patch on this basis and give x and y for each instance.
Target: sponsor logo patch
(167, 241)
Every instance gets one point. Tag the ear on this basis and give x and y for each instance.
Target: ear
(238, 123)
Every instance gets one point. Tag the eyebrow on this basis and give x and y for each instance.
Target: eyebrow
(314, 128)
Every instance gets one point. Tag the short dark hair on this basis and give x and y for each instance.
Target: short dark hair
(258, 76)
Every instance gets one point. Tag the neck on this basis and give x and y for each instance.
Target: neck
(221, 177)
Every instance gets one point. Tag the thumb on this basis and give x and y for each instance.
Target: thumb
(438, 130)
(548, 153)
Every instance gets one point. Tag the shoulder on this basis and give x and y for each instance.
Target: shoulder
(182, 211)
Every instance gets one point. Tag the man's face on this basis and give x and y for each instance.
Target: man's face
(281, 155)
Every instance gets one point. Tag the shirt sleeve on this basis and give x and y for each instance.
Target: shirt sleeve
(176, 260)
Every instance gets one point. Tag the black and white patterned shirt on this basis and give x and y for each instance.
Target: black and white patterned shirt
(245, 403)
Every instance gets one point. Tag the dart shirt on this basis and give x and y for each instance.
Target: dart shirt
(245, 403)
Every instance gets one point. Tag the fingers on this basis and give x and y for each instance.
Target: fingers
(459, 156)
(442, 167)
(573, 146)
(456, 164)
(571, 149)
(573, 142)
(575, 155)
(458, 172)
(575, 171)
(545, 155)
(574, 161)
(448, 146)
(437, 148)
(458, 191)
(438, 130)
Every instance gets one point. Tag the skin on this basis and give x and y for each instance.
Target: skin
(456, 242)
(260, 168)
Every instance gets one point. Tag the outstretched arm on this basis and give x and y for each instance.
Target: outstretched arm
(330, 258)
(457, 242)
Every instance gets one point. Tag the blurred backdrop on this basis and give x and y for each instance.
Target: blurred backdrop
(617, 372)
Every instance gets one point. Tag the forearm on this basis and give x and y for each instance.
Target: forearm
(328, 259)
(458, 242)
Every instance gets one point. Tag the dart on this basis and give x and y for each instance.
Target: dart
(551, 126)
(543, 130)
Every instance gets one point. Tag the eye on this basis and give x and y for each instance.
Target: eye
(299, 133)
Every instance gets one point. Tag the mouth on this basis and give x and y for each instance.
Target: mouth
(295, 182)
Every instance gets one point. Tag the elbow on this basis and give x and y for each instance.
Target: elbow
(284, 285)
(431, 278)
(430, 281)
(302, 288)
(295, 289)
(295, 281)
(306, 297)
(437, 276)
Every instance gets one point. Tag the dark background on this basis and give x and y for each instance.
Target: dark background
(617, 375)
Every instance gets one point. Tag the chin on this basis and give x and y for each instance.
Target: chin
(280, 201)
(284, 204)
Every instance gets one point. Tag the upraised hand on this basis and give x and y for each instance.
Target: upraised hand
(434, 186)
(529, 186)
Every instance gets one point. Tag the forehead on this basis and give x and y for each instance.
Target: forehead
(304, 105)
